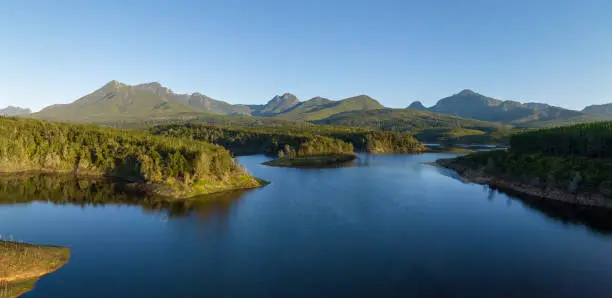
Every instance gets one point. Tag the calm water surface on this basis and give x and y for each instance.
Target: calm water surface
(390, 226)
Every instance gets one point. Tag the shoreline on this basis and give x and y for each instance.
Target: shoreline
(26, 264)
(177, 191)
(479, 177)
(314, 161)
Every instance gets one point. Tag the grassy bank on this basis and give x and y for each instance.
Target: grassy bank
(175, 167)
(23, 264)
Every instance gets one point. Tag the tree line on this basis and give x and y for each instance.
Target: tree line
(270, 140)
(33, 145)
(593, 140)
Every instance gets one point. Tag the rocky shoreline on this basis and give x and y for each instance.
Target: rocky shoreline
(479, 176)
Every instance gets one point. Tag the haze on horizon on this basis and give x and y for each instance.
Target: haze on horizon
(557, 52)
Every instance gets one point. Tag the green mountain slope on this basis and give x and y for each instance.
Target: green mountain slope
(277, 105)
(320, 108)
(114, 102)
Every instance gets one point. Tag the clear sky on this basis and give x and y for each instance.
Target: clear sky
(553, 51)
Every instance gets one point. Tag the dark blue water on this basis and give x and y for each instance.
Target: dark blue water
(389, 227)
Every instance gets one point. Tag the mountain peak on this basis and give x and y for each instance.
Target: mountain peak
(466, 92)
(288, 95)
(279, 104)
(417, 105)
(114, 84)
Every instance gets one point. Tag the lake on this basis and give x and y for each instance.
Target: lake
(390, 226)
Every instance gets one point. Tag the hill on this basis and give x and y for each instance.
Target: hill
(428, 126)
(601, 110)
(320, 108)
(14, 111)
(417, 105)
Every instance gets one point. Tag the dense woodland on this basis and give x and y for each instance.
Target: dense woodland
(592, 140)
(32, 145)
(575, 159)
(271, 140)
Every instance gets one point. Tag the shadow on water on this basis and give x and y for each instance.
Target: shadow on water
(66, 189)
(597, 219)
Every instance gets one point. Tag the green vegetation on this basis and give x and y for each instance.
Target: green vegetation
(569, 174)
(428, 127)
(23, 264)
(269, 140)
(167, 166)
(315, 152)
(592, 140)
(573, 163)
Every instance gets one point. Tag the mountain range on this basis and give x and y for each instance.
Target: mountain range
(118, 102)
(14, 111)
(469, 104)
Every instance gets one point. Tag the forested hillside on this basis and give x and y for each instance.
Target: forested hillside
(572, 163)
(174, 166)
(270, 140)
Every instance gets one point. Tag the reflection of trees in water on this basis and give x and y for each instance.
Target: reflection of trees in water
(596, 219)
(65, 189)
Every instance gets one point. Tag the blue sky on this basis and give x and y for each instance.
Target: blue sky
(556, 51)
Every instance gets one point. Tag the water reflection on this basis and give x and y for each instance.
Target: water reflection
(596, 218)
(66, 189)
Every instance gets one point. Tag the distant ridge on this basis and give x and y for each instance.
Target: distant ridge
(602, 110)
(14, 111)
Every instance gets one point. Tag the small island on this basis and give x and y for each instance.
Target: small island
(24, 264)
(316, 152)
(165, 166)
(572, 164)
(316, 161)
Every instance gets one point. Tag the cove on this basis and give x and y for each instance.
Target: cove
(389, 226)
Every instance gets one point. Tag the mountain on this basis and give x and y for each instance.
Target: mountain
(119, 102)
(417, 105)
(116, 101)
(278, 104)
(14, 111)
(469, 104)
(319, 108)
(602, 110)
(197, 101)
